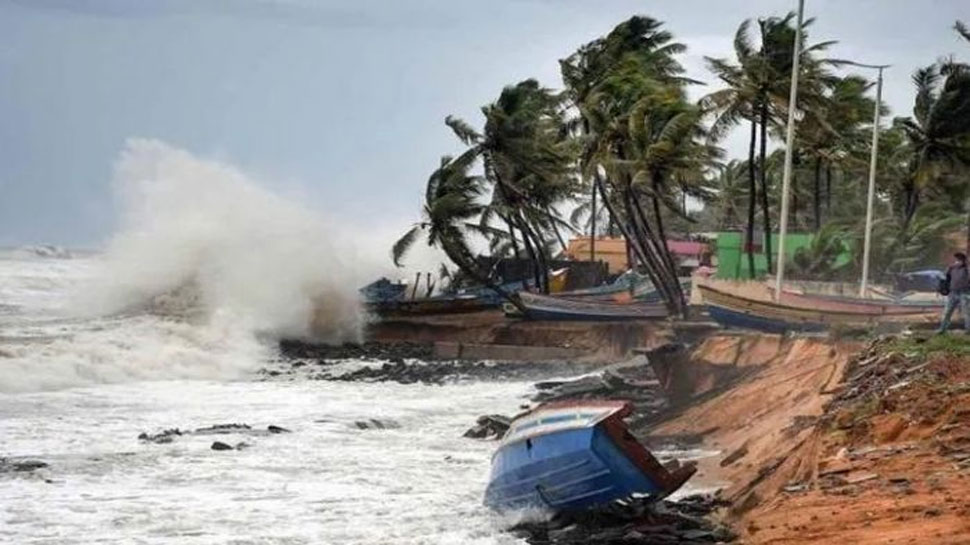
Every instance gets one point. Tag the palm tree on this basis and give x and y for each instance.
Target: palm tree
(605, 80)
(757, 93)
(835, 132)
(938, 135)
(527, 157)
(730, 195)
(452, 204)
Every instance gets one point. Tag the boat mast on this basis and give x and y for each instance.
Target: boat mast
(864, 285)
(789, 142)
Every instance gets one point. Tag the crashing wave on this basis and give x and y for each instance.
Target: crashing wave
(46, 250)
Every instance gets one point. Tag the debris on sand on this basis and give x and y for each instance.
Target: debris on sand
(634, 521)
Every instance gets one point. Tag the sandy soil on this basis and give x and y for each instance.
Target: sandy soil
(812, 453)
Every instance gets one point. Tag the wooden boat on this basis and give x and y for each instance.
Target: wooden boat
(575, 455)
(545, 307)
(742, 312)
(856, 304)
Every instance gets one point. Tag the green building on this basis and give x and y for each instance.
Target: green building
(732, 263)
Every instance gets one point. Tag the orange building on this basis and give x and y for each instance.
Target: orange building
(689, 255)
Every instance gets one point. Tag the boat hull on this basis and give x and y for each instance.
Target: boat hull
(571, 457)
(570, 470)
(742, 312)
(849, 304)
(540, 307)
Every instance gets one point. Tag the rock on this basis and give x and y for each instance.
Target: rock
(222, 429)
(165, 436)
(489, 426)
(375, 424)
(20, 466)
(219, 445)
(277, 429)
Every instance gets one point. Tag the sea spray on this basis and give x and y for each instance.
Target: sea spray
(206, 272)
(201, 225)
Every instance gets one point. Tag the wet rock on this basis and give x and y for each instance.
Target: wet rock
(328, 353)
(277, 429)
(489, 426)
(218, 429)
(375, 424)
(20, 465)
(165, 436)
(415, 372)
(219, 445)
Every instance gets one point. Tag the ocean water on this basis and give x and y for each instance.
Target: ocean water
(75, 392)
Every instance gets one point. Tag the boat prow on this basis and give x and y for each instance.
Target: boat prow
(573, 456)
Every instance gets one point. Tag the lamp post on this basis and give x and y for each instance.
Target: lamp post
(867, 244)
(789, 141)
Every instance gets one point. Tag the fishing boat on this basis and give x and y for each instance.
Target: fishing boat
(856, 304)
(545, 307)
(575, 455)
(743, 312)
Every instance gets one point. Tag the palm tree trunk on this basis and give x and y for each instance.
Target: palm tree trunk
(665, 251)
(817, 205)
(752, 192)
(911, 203)
(515, 243)
(653, 264)
(555, 229)
(763, 173)
(628, 235)
(540, 252)
(533, 259)
(658, 218)
(467, 265)
(828, 188)
(592, 227)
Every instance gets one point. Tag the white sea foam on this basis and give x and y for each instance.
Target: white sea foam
(207, 269)
(204, 224)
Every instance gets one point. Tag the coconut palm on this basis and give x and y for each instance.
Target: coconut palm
(638, 41)
(452, 206)
(835, 132)
(938, 136)
(527, 158)
(757, 93)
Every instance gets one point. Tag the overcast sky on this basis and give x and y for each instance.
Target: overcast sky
(337, 103)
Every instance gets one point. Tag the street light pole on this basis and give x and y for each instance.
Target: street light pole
(867, 245)
(789, 143)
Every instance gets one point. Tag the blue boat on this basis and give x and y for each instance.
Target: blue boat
(546, 307)
(572, 456)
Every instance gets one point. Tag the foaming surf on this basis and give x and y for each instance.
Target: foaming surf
(206, 271)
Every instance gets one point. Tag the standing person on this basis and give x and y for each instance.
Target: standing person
(956, 287)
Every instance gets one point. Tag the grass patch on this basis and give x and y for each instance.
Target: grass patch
(923, 346)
